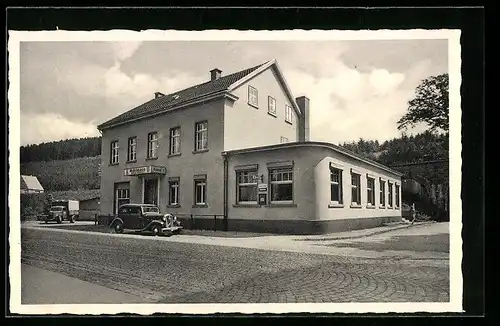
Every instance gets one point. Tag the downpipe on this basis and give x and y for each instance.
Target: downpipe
(226, 174)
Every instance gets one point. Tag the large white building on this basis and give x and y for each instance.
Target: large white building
(238, 146)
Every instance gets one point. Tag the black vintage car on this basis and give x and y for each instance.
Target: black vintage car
(145, 218)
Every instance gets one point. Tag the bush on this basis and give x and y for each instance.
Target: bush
(32, 205)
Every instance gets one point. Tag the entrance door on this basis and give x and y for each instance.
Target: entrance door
(151, 191)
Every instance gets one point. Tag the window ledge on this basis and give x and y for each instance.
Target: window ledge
(246, 205)
(151, 158)
(336, 206)
(253, 105)
(276, 205)
(173, 155)
(173, 206)
(289, 122)
(111, 164)
(389, 207)
(200, 151)
(132, 161)
(272, 114)
(356, 206)
(199, 206)
(370, 206)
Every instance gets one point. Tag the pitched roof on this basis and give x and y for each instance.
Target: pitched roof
(29, 182)
(170, 101)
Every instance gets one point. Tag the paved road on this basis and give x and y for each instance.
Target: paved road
(174, 272)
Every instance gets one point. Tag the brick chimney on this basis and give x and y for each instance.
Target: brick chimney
(215, 74)
(303, 103)
(158, 94)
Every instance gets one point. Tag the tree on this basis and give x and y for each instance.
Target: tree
(430, 105)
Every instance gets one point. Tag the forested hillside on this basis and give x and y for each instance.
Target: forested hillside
(78, 173)
(61, 150)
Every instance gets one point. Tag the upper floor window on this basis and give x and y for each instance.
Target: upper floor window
(382, 192)
(175, 141)
(114, 155)
(201, 136)
(271, 105)
(355, 189)
(370, 191)
(335, 185)
(152, 145)
(246, 186)
(288, 114)
(281, 180)
(253, 96)
(132, 149)
(390, 194)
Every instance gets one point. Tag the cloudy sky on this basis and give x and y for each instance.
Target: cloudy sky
(357, 88)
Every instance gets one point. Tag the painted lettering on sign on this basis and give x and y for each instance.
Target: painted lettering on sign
(145, 170)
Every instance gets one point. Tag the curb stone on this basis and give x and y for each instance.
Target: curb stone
(333, 238)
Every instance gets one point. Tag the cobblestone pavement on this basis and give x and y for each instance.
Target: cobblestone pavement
(172, 272)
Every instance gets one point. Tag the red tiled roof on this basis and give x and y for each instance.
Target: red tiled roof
(166, 102)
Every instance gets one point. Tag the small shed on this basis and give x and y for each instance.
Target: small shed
(30, 185)
(88, 208)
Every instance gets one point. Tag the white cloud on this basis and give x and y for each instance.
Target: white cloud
(124, 50)
(38, 128)
(347, 104)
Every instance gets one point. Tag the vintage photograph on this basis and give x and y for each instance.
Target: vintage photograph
(170, 171)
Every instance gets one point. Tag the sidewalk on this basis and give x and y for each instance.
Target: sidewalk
(39, 286)
(313, 244)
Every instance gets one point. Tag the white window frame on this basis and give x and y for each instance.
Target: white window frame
(250, 179)
(200, 183)
(253, 96)
(201, 136)
(152, 145)
(173, 186)
(370, 197)
(271, 105)
(382, 191)
(175, 141)
(390, 194)
(119, 197)
(288, 114)
(339, 200)
(280, 171)
(357, 187)
(132, 149)
(115, 152)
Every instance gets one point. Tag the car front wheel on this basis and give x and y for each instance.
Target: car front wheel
(118, 227)
(156, 230)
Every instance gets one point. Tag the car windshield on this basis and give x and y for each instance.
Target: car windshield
(56, 208)
(150, 209)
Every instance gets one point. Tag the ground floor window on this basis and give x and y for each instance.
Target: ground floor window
(200, 190)
(335, 185)
(389, 201)
(173, 191)
(382, 192)
(370, 191)
(281, 180)
(397, 195)
(355, 188)
(246, 186)
(122, 196)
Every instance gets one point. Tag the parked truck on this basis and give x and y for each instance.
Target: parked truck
(62, 210)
